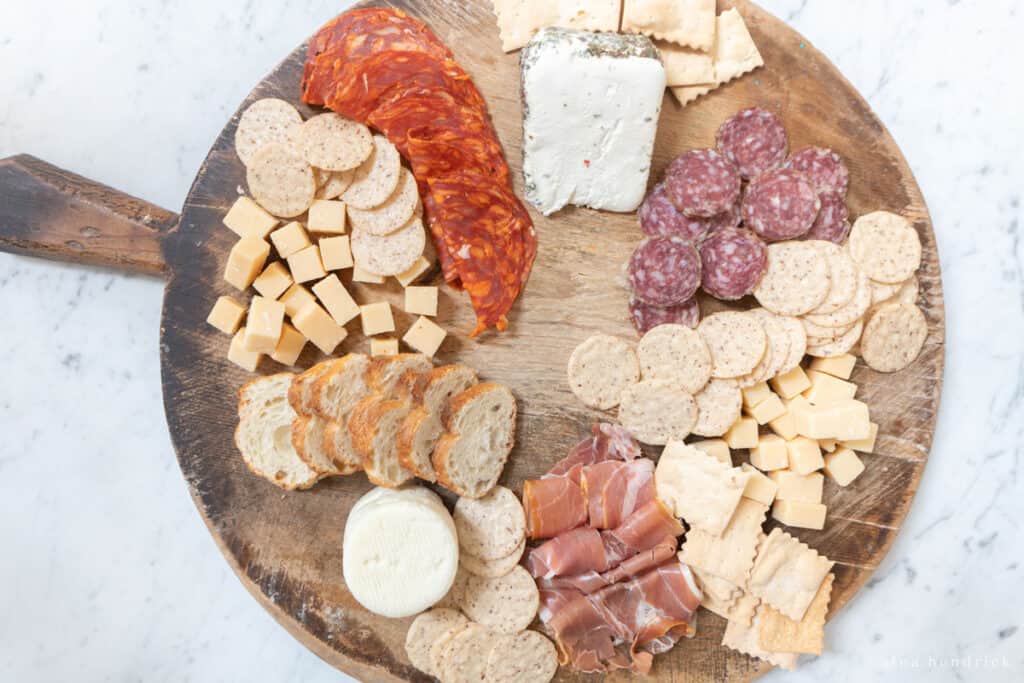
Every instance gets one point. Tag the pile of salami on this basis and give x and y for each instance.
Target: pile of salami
(707, 223)
(388, 70)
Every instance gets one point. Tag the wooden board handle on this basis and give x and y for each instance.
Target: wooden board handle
(51, 213)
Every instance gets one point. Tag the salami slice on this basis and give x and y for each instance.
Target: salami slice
(824, 169)
(832, 223)
(754, 141)
(702, 182)
(780, 205)
(732, 263)
(646, 316)
(658, 216)
(664, 271)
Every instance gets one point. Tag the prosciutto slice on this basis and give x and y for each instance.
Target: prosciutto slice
(608, 442)
(643, 530)
(592, 581)
(614, 489)
(553, 505)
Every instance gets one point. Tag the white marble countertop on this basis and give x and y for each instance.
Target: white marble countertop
(109, 573)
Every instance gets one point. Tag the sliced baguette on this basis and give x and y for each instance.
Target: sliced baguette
(338, 446)
(374, 424)
(417, 439)
(440, 384)
(340, 387)
(384, 371)
(263, 436)
(300, 393)
(309, 443)
(481, 424)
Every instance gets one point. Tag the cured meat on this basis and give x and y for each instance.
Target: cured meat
(577, 551)
(780, 205)
(832, 223)
(658, 216)
(824, 169)
(553, 505)
(592, 581)
(732, 263)
(642, 530)
(614, 489)
(664, 271)
(754, 141)
(646, 316)
(702, 182)
(608, 442)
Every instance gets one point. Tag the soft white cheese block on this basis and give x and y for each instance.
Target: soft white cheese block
(400, 552)
(591, 107)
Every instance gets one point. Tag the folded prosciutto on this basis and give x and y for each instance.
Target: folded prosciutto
(553, 505)
(614, 489)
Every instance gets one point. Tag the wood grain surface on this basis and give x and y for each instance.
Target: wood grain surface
(285, 547)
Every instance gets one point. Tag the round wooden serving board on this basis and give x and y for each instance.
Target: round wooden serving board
(286, 547)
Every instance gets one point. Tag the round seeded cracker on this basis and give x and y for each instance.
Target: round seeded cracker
(425, 630)
(736, 341)
(333, 143)
(842, 277)
(492, 568)
(264, 121)
(376, 178)
(797, 343)
(885, 246)
(657, 411)
(829, 348)
(779, 342)
(796, 281)
(506, 604)
(819, 333)
(851, 312)
(393, 213)
(718, 407)
(526, 657)
(490, 527)
(335, 183)
(893, 337)
(600, 369)
(464, 656)
(280, 180)
(675, 353)
(881, 291)
(389, 254)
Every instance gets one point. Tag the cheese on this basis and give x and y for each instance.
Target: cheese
(756, 393)
(425, 336)
(336, 299)
(804, 455)
(794, 486)
(246, 218)
(360, 275)
(716, 448)
(289, 239)
(335, 252)
(785, 424)
(421, 300)
(770, 453)
(383, 346)
(828, 389)
(417, 269)
(837, 366)
(842, 421)
(590, 113)
(226, 315)
(289, 346)
(318, 327)
(240, 356)
(295, 299)
(743, 434)
(273, 281)
(759, 487)
(843, 466)
(328, 216)
(245, 261)
(865, 445)
(263, 325)
(767, 410)
(827, 445)
(306, 264)
(789, 384)
(797, 513)
(377, 318)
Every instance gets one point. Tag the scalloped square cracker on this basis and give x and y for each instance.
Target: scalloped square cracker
(518, 20)
(731, 555)
(734, 54)
(698, 487)
(787, 574)
(690, 23)
(744, 638)
(684, 66)
(807, 636)
(719, 595)
(742, 610)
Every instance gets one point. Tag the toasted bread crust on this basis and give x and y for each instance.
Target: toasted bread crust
(382, 368)
(410, 384)
(440, 461)
(359, 426)
(413, 422)
(318, 393)
(463, 399)
(342, 461)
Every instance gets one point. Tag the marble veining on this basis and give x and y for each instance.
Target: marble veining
(108, 572)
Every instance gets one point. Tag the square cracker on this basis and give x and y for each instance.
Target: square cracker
(807, 636)
(718, 595)
(734, 54)
(730, 555)
(744, 638)
(787, 574)
(685, 66)
(518, 20)
(690, 23)
(698, 487)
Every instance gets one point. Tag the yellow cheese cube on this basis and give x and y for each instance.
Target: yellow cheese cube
(421, 300)
(306, 264)
(226, 315)
(842, 421)
(828, 389)
(425, 336)
(377, 318)
(853, 421)
(789, 384)
(263, 326)
(289, 346)
(866, 445)
(716, 448)
(759, 487)
(767, 410)
(784, 425)
(336, 299)
(327, 215)
(289, 239)
(240, 356)
(743, 434)
(753, 395)
(246, 218)
(417, 269)
(837, 366)
(383, 346)
(295, 299)
(245, 261)
(273, 281)
(318, 327)
(335, 252)
(794, 486)
(770, 453)
(843, 466)
(827, 445)
(360, 275)
(797, 513)
(804, 455)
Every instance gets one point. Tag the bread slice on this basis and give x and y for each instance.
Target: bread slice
(417, 439)
(308, 439)
(471, 455)
(339, 448)
(374, 424)
(300, 394)
(337, 390)
(441, 384)
(384, 371)
(263, 436)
